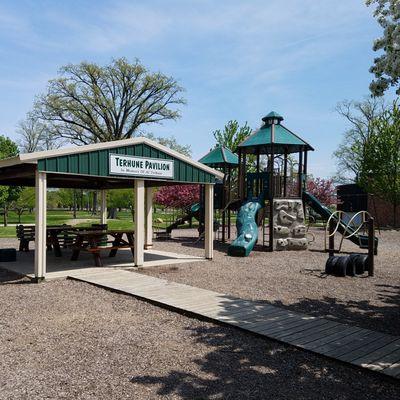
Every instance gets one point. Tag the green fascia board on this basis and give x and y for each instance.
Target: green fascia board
(96, 163)
(283, 136)
(220, 156)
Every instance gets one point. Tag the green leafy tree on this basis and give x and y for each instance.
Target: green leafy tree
(24, 202)
(380, 172)
(232, 135)
(8, 194)
(90, 103)
(350, 153)
(386, 67)
(118, 199)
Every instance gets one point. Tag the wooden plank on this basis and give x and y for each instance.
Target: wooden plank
(349, 343)
(393, 370)
(361, 347)
(379, 342)
(311, 329)
(346, 331)
(312, 334)
(373, 358)
(289, 325)
(389, 363)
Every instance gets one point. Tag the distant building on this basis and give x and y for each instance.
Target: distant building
(351, 198)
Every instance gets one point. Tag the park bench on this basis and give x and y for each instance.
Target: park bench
(61, 235)
(25, 234)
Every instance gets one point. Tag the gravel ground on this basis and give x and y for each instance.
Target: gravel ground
(70, 340)
(295, 280)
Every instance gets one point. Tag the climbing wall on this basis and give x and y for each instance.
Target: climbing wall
(289, 226)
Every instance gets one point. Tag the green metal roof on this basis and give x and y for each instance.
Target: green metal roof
(273, 115)
(219, 157)
(285, 139)
(94, 166)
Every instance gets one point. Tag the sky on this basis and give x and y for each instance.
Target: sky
(235, 59)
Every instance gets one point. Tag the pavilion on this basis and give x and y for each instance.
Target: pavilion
(138, 163)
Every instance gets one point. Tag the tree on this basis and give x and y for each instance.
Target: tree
(386, 67)
(172, 143)
(8, 194)
(232, 134)
(349, 154)
(24, 202)
(380, 172)
(323, 190)
(118, 199)
(35, 135)
(178, 196)
(90, 103)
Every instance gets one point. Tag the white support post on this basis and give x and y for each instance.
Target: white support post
(103, 206)
(209, 222)
(40, 227)
(139, 222)
(148, 242)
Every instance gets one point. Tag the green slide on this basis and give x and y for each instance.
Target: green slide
(192, 212)
(247, 229)
(325, 213)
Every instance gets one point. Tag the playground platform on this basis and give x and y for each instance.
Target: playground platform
(350, 344)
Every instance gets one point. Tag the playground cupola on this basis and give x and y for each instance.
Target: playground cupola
(284, 140)
(272, 118)
(220, 157)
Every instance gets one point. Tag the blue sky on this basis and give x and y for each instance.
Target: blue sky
(236, 59)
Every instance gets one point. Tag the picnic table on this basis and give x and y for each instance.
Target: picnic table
(95, 241)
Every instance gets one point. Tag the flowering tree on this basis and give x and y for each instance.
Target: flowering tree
(178, 196)
(323, 190)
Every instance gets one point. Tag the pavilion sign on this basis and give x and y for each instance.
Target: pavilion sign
(141, 166)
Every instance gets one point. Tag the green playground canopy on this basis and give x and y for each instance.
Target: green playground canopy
(219, 157)
(285, 139)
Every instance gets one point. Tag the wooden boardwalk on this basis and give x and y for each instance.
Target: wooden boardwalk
(361, 347)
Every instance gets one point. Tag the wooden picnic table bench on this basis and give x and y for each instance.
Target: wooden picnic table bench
(55, 238)
(95, 241)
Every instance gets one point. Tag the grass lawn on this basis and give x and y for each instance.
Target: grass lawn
(58, 217)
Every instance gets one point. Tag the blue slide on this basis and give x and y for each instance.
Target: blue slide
(247, 229)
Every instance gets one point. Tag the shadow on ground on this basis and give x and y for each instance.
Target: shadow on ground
(242, 366)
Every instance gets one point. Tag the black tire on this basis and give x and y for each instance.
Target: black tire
(351, 265)
(341, 266)
(330, 264)
(360, 263)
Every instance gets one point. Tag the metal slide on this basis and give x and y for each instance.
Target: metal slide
(325, 213)
(247, 229)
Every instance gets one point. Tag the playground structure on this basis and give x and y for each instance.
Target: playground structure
(272, 176)
(266, 184)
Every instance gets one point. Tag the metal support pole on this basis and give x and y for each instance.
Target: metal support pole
(271, 190)
(300, 177)
(285, 161)
(225, 190)
(371, 246)
(229, 200)
(331, 241)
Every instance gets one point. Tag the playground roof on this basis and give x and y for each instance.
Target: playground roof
(106, 165)
(219, 157)
(285, 139)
